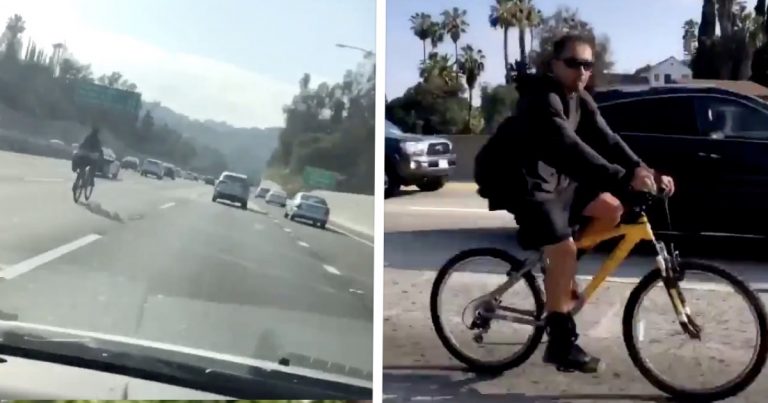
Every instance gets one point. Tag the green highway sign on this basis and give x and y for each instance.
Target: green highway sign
(108, 97)
(317, 178)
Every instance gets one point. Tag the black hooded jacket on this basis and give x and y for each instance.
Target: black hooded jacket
(563, 138)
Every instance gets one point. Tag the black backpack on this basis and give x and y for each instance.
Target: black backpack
(498, 171)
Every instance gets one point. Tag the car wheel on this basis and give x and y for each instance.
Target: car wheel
(431, 184)
(322, 225)
(244, 205)
(213, 199)
(285, 215)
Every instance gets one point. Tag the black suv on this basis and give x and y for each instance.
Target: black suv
(713, 141)
(410, 159)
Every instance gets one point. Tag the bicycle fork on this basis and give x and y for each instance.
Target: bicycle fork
(670, 277)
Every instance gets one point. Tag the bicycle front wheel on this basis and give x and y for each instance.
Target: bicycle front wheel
(473, 324)
(77, 188)
(88, 182)
(725, 348)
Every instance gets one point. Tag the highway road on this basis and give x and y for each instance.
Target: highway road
(422, 230)
(158, 260)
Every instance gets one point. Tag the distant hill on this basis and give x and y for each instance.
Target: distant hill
(247, 149)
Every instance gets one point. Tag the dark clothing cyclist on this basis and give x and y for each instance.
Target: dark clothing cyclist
(89, 152)
(573, 166)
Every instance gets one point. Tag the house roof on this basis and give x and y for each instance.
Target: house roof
(648, 67)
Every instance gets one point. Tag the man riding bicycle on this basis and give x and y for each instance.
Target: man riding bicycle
(575, 167)
(89, 153)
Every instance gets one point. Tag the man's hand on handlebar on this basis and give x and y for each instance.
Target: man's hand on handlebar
(647, 180)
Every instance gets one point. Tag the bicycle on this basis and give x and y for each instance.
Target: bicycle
(480, 312)
(84, 183)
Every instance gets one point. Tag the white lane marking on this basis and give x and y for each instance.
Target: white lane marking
(44, 179)
(356, 291)
(45, 257)
(456, 209)
(356, 238)
(166, 205)
(287, 229)
(304, 244)
(331, 269)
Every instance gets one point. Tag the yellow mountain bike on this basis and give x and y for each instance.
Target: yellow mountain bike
(491, 305)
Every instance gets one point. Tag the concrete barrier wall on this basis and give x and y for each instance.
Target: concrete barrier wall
(466, 147)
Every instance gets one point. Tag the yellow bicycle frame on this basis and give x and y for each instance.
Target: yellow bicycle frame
(633, 234)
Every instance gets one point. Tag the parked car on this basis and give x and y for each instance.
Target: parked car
(712, 141)
(152, 167)
(423, 161)
(169, 171)
(109, 167)
(309, 207)
(261, 192)
(131, 163)
(232, 187)
(276, 197)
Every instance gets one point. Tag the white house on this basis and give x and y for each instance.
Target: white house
(667, 71)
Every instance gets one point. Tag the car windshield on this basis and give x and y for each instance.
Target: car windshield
(148, 253)
(314, 199)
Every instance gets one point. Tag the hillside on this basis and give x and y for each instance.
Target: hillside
(247, 150)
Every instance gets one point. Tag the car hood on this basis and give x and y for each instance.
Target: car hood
(165, 362)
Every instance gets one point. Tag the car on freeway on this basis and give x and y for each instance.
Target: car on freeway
(169, 171)
(711, 140)
(276, 197)
(232, 187)
(307, 207)
(152, 167)
(209, 180)
(261, 192)
(410, 159)
(131, 163)
(109, 166)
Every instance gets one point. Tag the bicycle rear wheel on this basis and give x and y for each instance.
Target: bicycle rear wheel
(87, 184)
(77, 189)
(715, 323)
(474, 315)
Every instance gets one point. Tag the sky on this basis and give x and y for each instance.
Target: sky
(237, 61)
(640, 32)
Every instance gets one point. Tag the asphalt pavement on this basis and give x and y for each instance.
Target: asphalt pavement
(159, 261)
(424, 229)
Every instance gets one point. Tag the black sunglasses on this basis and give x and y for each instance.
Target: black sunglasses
(575, 64)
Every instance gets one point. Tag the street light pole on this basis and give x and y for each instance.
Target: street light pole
(366, 52)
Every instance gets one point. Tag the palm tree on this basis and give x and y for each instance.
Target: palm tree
(471, 65)
(502, 16)
(455, 24)
(436, 35)
(525, 17)
(421, 25)
(14, 28)
(437, 66)
(690, 28)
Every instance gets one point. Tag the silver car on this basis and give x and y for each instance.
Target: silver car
(276, 197)
(308, 207)
(232, 187)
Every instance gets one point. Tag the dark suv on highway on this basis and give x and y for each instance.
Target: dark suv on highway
(423, 161)
(713, 141)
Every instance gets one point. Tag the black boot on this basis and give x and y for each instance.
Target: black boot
(562, 350)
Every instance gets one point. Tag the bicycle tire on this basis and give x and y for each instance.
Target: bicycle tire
(473, 364)
(77, 190)
(721, 392)
(89, 176)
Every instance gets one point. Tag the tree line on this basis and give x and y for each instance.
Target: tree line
(43, 85)
(331, 127)
(441, 102)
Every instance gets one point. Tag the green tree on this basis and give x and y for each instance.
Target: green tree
(471, 65)
(690, 27)
(436, 35)
(13, 30)
(502, 17)
(438, 67)
(496, 103)
(455, 23)
(526, 17)
(421, 25)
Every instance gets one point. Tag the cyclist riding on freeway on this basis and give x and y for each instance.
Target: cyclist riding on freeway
(574, 168)
(89, 152)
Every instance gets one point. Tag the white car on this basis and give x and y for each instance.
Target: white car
(232, 187)
(110, 166)
(276, 197)
(305, 206)
(153, 168)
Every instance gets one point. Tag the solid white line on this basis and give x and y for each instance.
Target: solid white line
(304, 244)
(456, 209)
(356, 238)
(166, 205)
(331, 269)
(45, 257)
(287, 229)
